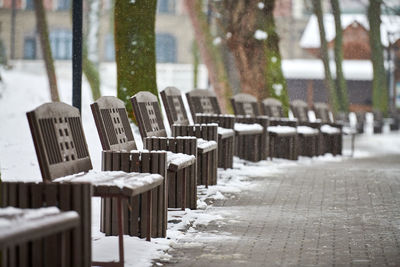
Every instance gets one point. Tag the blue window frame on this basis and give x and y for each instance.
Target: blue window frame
(61, 44)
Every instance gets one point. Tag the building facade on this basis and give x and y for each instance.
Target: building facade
(18, 32)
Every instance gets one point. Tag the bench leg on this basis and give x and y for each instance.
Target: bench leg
(120, 231)
(149, 200)
(184, 189)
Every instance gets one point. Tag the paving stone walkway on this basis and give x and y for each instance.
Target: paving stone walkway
(326, 214)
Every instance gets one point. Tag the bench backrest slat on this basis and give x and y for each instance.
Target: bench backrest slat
(174, 107)
(148, 115)
(203, 101)
(272, 107)
(245, 104)
(112, 124)
(59, 140)
(300, 109)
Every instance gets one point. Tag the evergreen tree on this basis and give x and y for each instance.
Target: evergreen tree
(134, 34)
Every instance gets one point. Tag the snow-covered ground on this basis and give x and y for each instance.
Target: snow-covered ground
(26, 88)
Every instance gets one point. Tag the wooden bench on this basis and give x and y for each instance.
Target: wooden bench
(300, 111)
(248, 137)
(117, 139)
(180, 125)
(246, 110)
(306, 138)
(64, 158)
(182, 181)
(331, 131)
(46, 251)
(378, 121)
(207, 161)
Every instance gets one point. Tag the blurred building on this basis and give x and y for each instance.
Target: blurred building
(174, 34)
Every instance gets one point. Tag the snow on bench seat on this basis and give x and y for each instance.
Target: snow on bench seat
(205, 146)
(305, 130)
(282, 130)
(225, 132)
(349, 130)
(178, 161)
(329, 129)
(21, 225)
(244, 128)
(116, 182)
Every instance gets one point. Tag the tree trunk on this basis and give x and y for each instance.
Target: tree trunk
(249, 30)
(196, 60)
(379, 83)
(210, 54)
(134, 22)
(332, 97)
(275, 81)
(46, 50)
(90, 51)
(341, 85)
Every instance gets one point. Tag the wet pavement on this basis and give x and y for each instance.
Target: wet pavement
(340, 213)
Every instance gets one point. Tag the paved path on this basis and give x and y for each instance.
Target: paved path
(330, 213)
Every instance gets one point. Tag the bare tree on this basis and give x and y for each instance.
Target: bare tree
(332, 96)
(210, 54)
(343, 99)
(379, 83)
(46, 50)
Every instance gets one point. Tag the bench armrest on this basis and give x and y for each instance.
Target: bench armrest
(186, 145)
(205, 131)
(223, 120)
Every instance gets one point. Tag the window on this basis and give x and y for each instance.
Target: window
(166, 6)
(61, 44)
(63, 4)
(165, 48)
(109, 53)
(29, 48)
(29, 5)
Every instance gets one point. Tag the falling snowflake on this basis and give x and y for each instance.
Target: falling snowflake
(217, 41)
(277, 88)
(260, 35)
(228, 35)
(260, 5)
(274, 59)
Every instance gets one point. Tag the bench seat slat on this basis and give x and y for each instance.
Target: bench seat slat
(116, 182)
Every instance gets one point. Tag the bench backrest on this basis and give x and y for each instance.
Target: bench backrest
(245, 104)
(174, 107)
(203, 101)
(322, 112)
(272, 107)
(148, 115)
(59, 140)
(300, 110)
(112, 124)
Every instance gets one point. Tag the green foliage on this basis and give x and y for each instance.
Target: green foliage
(134, 31)
(379, 83)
